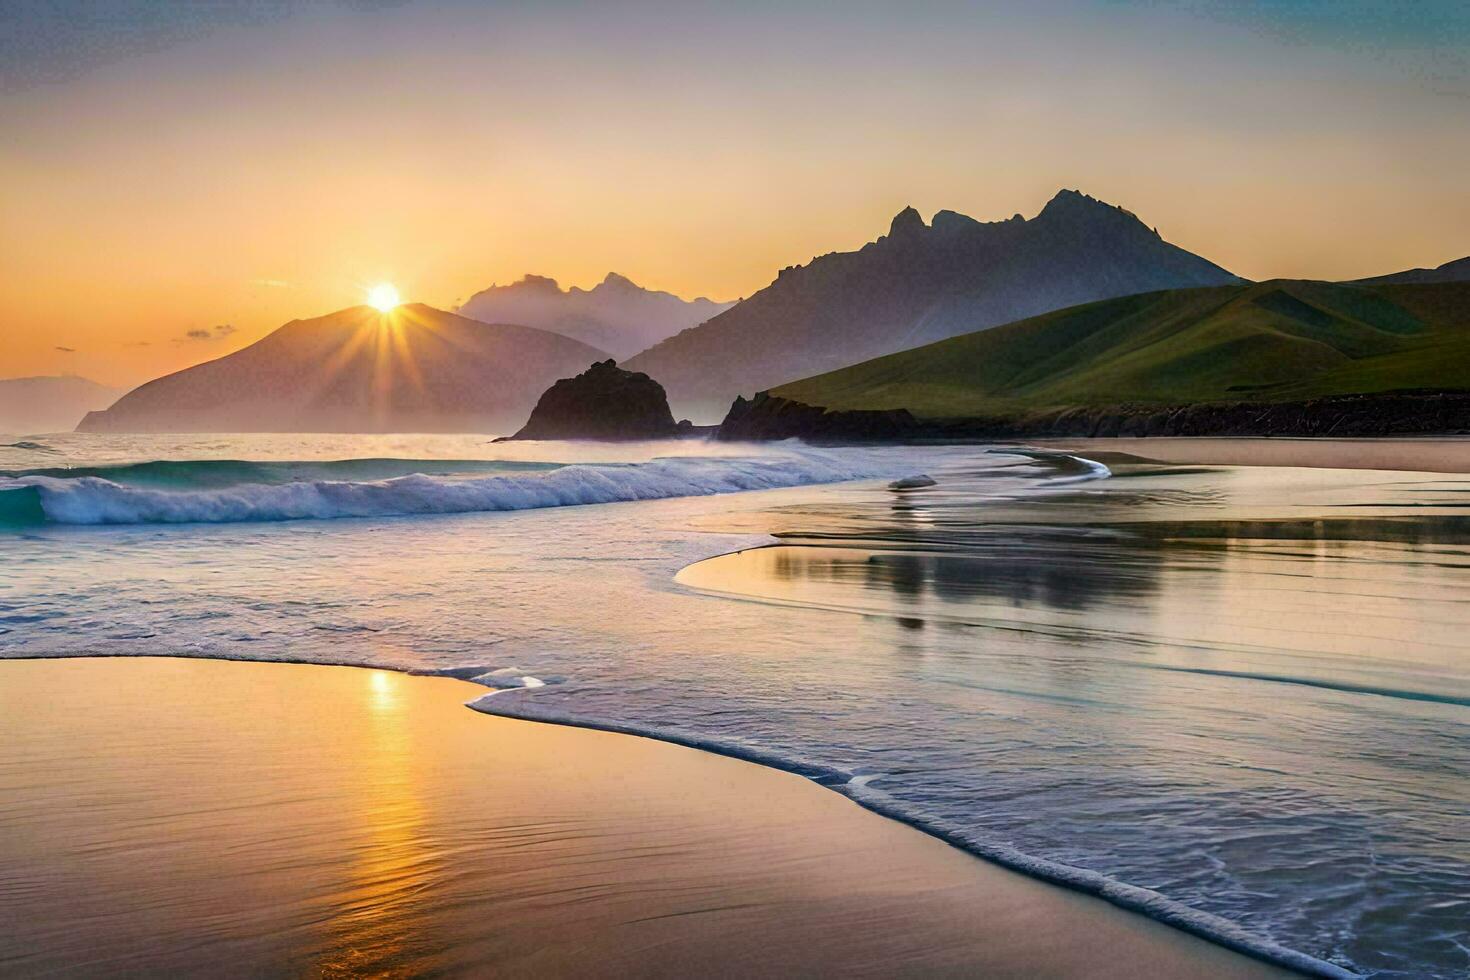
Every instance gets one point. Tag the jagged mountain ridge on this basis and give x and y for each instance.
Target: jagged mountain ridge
(617, 315)
(918, 284)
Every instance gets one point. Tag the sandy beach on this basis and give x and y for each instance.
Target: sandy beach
(1429, 454)
(339, 821)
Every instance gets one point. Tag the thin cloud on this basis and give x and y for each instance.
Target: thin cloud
(67, 350)
(271, 283)
(218, 332)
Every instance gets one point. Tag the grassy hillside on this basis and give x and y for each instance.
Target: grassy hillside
(1281, 340)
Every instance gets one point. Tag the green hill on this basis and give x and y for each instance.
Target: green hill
(1276, 341)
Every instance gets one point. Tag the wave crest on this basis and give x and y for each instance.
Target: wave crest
(96, 500)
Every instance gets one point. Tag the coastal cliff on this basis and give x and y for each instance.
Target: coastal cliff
(769, 417)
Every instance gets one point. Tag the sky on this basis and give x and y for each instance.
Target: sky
(178, 179)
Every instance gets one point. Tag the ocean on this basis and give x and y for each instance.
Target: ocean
(1232, 698)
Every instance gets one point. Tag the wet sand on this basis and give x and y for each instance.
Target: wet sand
(1423, 455)
(207, 817)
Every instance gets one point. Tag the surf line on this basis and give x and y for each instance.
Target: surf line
(520, 704)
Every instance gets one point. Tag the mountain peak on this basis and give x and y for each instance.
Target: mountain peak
(1075, 203)
(920, 283)
(1074, 208)
(621, 282)
(616, 315)
(1068, 200)
(333, 373)
(905, 223)
(539, 282)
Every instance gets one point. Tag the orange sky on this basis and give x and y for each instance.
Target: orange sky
(253, 174)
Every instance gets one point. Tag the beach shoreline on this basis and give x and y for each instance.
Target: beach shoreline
(748, 845)
(1426, 454)
(584, 693)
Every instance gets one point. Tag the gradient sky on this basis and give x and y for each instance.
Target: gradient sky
(218, 169)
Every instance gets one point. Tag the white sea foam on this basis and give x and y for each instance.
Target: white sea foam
(859, 788)
(94, 500)
(511, 677)
(1093, 471)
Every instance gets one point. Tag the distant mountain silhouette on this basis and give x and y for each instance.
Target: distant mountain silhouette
(416, 369)
(918, 284)
(1456, 271)
(617, 315)
(50, 404)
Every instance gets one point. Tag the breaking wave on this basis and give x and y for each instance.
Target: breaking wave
(133, 494)
(200, 474)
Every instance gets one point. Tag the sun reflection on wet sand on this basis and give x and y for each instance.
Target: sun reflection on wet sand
(377, 922)
(267, 819)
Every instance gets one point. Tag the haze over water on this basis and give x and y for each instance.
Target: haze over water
(1239, 688)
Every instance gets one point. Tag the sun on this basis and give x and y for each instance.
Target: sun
(383, 296)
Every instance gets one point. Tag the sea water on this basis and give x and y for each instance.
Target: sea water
(1232, 698)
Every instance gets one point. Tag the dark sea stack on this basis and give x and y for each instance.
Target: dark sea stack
(603, 402)
(767, 417)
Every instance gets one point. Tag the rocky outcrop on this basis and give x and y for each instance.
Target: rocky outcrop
(603, 402)
(1397, 413)
(1381, 414)
(770, 417)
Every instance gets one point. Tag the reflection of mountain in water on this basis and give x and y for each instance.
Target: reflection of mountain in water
(995, 548)
(1055, 569)
(1075, 569)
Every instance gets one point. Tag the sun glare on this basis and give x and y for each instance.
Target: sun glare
(383, 296)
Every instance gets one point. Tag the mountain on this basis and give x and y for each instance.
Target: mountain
(1456, 271)
(1266, 342)
(31, 406)
(415, 369)
(917, 284)
(616, 315)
